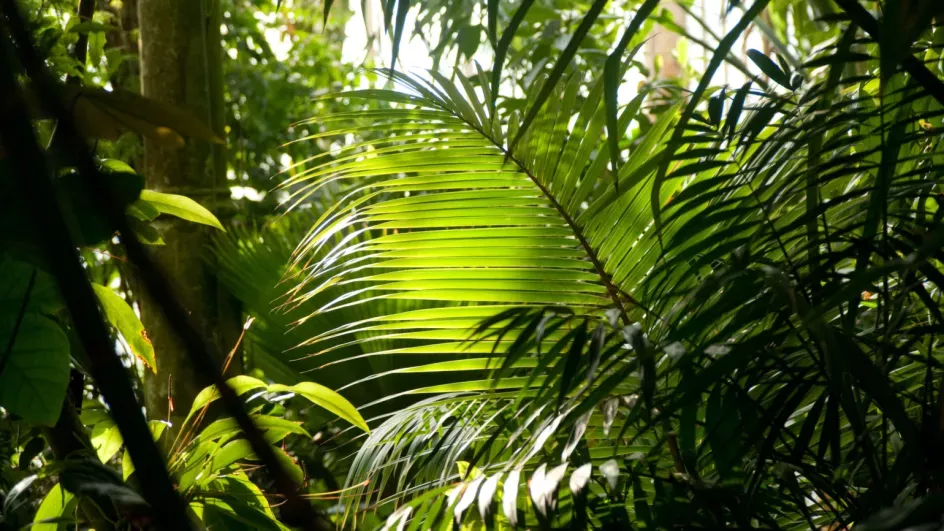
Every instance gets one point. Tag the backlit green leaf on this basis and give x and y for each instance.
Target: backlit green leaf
(181, 207)
(122, 317)
(326, 398)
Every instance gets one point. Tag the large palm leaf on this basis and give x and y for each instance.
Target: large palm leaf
(474, 222)
(474, 225)
(758, 385)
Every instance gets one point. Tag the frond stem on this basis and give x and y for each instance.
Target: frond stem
(612, 290)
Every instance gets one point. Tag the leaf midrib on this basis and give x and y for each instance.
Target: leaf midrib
(612, 290)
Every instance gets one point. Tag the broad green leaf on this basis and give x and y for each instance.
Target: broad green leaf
(35, 371)
(242, 384)
(123, 318)
(106, 439)
(230, 453)
(181, 207)
(56, 506)
(127, 465)
(93, 412)
(89, 26)
(228, 427)
(142, 210)
(240, 486)
(465, 473)
(96, 48)
(326, 398)
(195, 460)
(469, 38)
(117, 166)
(291, 465)
(236, 513)
(15, 279)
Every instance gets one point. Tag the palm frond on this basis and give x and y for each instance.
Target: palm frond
(741, 332)
(449, 214)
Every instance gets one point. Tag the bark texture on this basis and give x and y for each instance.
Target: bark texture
(181, 64)
(662, 45)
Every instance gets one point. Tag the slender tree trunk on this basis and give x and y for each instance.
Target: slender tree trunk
(125, 38)
(181, 64)
(662, 45)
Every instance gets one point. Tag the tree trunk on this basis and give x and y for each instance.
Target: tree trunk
(124, 37)
(662, 44)
(181, 64)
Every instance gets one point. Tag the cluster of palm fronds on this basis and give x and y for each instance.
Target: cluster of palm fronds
(736, 324)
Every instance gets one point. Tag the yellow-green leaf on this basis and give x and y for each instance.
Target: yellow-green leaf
(241, 384)
(326, 398)
(122, 317)
(106, 438)
(57, 504)
(181, 207)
